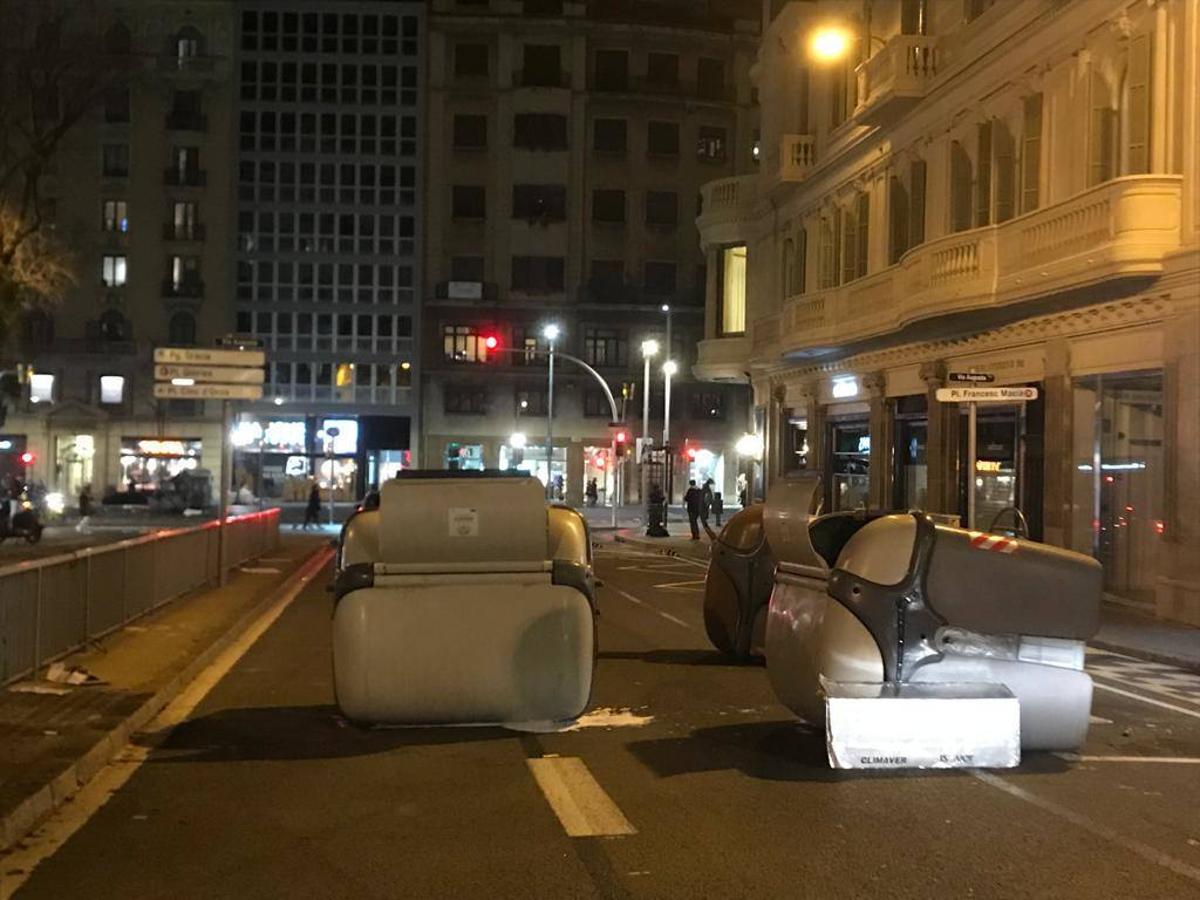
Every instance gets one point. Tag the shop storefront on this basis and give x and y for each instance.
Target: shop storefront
(148, 463)
(74, 457)
(848, 463)
(1118, 473)
(532, 459)
(463, 456)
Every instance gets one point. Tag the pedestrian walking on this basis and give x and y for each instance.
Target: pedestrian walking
(718, 506)
(706, 503)
(312, 510)
(592, 493)
(693, 501)
(85, 508)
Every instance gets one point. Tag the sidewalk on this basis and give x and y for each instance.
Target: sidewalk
(54, 737)
(1121, 630)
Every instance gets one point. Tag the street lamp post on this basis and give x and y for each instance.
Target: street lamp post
(649, 350)
(669, 369)
(550, 333)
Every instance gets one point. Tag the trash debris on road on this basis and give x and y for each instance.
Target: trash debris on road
(58, 673)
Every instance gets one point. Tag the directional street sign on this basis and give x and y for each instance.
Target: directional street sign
(971, 377)
(166, 390)
(202, 356)
(986, 394)
(209, 374)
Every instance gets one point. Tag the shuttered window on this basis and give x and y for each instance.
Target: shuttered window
(1137, 99)
(830, 244)
(983, 177)
(1031, 154)
(849, 245)
(960, 188)
(916, 203)
(1102, 132)
(800, 265)
(1005, 165)
(863, 214)
(785, 267)
(898, 220)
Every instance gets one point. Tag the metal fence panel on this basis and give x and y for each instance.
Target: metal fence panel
(51, 606)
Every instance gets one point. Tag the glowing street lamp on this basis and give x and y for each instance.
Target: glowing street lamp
(649, 350)
(669, 369)
(830, 43)
(550, 332)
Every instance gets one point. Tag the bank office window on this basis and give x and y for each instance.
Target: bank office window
(732, 284)
(706, 405)
(470, 132)
(537, 274)
(710, 145)
(464, 400)
(463, 343)
(604, 347)
(610, 135)
(662, 138)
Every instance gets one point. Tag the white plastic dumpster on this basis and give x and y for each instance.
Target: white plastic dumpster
(464, 599)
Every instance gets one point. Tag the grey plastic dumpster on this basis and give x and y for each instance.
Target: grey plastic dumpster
(897, 600)
(464, 599)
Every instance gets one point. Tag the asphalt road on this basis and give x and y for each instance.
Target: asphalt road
(265, 792)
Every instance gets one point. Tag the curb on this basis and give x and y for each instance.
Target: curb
(1165, 659)
(33, 809)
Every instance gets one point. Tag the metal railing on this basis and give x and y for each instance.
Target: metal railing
(52, 606)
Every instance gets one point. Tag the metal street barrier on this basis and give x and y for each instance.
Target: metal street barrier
(54, 605)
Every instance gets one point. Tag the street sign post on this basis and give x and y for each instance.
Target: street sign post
(972, 396)
(200, 373)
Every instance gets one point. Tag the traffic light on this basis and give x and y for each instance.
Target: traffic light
(27, 459)
(691, 454)
(622, 440)
(491, 342)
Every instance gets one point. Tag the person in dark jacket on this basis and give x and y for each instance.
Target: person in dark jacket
(693, 501)
(313, 509)
(706, 502)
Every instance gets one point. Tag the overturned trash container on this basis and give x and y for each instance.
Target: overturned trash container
(741, 572)
(464, 599)
(921, 645)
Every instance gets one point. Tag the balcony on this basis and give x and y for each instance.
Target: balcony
(723, 359)
(536, 79)
(1119, 231)
(796, 159)
(187, 289)
(177, 120)
(893, 80)
(173, 232)
(186, 178)
(726, 209)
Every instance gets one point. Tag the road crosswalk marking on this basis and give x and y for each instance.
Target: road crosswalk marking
(582, 806)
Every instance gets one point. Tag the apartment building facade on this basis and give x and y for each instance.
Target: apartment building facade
(328, 238)
(138, 194)
(1007, 190)
(568, 142)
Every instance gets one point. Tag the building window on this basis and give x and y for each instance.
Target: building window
(463, 343)
(525, 343)
(114, 326)
(112, 389)
(116, 160)
(662, 208)
(1103, 137)
(466, 268)
(916, 203)
(662, 70)
(607, 282)
(116, 105)
(898, 220)
(733, 290)
(1004, 169)
(531, 402)
(710, 78)
(960, 188)
(1135, 106)
(659, 278)
(798, 274)
(662, 138)
(183, 220)
(706, 405)
(464, 400)
(181, 330)
(471, 60)
(540, 131)
(855, 239)
(539, 202)
(41, 387)
(710, 145)
(604, 347)
(543, 66)
(468, 201)
(537, 274)
(184, 274)
(611, 71)
(116, 216)
(829, 249)
(608, 205)
(1031, 153)
(470, 132)
(609, 135)
(595, 405)
(983, 175)
(112, 271)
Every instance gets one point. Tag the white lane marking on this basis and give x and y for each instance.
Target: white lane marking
(1166, 760)
(577, 799)
(1099, 720)
(70, 817)
(654, 609)
(1145, 851)
(1132, 696)
(680, 585)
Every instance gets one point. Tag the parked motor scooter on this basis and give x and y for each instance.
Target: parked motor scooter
(19, 519)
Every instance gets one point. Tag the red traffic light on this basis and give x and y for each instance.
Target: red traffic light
(621, 437)
(27, 458)
(491, 342)
(691, 453)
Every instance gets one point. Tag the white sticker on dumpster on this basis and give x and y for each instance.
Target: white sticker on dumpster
(464, 521)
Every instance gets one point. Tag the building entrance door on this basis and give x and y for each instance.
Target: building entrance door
(848, 463)
(1008, 465)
